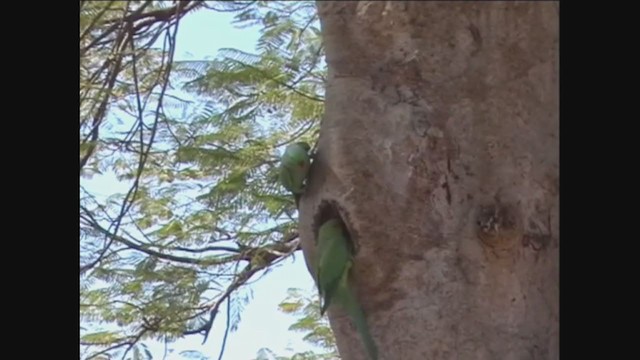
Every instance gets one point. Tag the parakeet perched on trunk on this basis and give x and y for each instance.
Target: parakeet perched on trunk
(335, 258)
(294, 167)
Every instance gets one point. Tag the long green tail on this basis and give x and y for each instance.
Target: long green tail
(354, 310)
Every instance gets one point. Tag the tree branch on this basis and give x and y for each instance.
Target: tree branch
(292, 242)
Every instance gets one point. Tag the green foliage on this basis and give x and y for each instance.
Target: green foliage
(315, 327)
(266, 354)
(193, 355)
(202, 212)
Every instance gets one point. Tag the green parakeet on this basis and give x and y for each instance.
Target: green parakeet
(294, 167)
(335, 258)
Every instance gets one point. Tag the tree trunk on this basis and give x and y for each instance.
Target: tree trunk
(439, 150)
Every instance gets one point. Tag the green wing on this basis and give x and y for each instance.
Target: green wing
(294, 167)
(332, 277)
(333, 259)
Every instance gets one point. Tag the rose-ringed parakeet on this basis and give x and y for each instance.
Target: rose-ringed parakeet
(294, 167)
(334, 260)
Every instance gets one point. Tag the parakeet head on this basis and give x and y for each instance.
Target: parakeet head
(304, 145)
(332, 226)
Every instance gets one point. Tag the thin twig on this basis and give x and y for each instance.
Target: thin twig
(226, 331)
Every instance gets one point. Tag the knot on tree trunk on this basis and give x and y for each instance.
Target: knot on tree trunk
(499, 225)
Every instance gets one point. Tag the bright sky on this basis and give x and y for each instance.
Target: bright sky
(200, 36)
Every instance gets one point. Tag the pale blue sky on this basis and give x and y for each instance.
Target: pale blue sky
(200, 36)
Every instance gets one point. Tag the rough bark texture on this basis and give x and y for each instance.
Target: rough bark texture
(439, 149)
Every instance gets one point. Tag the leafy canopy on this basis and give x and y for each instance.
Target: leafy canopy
(196, 145)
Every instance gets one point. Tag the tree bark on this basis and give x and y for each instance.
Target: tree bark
(439, 150)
